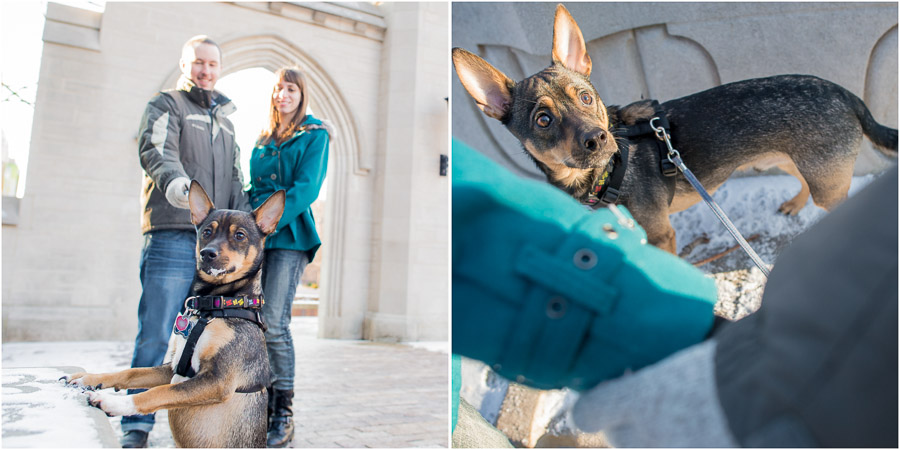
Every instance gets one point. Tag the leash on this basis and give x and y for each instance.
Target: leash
(675, 158)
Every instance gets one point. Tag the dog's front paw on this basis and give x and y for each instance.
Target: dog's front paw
(83, 380)
(112, 405)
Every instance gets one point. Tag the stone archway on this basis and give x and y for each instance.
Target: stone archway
(272, 53)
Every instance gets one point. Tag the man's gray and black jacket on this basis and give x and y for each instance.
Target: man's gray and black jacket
(185, 133)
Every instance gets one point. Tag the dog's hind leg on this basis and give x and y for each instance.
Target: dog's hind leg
(830, 190)
(794, 205)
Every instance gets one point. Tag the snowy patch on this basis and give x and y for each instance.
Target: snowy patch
(752, 204)
(431, 346)
(482, 388)
(33, 398)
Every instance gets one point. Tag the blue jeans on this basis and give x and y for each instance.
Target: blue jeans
(281, 273)
(167, 269)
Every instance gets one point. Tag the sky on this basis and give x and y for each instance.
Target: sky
(21, 27)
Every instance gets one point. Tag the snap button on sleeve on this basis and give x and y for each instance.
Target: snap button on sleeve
(610, 231)
(273, 176)
(585, 259)
(556, 307)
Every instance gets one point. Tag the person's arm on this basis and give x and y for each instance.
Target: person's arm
(239, 198)
(158, 148)
(550, 294)
(310, 171)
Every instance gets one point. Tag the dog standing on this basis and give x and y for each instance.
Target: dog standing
(806, 126)
(216, 396)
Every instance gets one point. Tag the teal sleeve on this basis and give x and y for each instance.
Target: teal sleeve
(309, 174)
(551, 294)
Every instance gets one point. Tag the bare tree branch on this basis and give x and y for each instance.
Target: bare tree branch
(13, 94)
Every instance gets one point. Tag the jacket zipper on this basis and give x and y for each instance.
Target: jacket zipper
(212, 147)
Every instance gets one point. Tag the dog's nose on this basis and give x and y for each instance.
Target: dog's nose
(208, 254)
(594, 141)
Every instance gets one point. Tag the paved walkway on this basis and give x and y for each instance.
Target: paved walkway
(366, 394)
(348, 393)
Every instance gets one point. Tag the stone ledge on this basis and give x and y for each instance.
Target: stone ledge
(40, 412)
(72, 26)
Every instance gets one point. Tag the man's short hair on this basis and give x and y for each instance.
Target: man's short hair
(193, 42)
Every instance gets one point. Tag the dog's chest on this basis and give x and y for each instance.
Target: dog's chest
(184, 325)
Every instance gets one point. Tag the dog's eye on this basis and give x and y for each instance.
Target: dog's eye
(543, 120)
(239, 235)
(206, 233)
(586, 98)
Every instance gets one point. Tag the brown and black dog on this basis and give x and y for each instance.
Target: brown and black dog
(220, 400)
(808, 127)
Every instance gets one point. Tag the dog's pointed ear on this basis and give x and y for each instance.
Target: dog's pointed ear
(200, 203)
(488, 86)
(569, 48)
(269, 213)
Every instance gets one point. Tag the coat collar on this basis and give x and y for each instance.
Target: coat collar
(204, 98)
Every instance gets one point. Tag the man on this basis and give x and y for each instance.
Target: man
(184, 135)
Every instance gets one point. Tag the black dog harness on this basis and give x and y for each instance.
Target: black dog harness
(206, 308)
(605, 189)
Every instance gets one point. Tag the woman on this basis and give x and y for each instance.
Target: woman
(290, 154)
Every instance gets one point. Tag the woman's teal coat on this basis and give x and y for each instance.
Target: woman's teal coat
(298, 166)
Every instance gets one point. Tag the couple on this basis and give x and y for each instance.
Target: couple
(186, 135)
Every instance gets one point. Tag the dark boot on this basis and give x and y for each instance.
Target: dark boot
(134, 439)
(281, 422)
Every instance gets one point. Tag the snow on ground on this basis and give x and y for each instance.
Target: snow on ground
(28, 394)
(94, 357)
(431, 346)
(752, 204)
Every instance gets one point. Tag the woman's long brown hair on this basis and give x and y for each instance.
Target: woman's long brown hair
(295, 120)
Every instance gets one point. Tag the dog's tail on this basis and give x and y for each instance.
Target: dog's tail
(884, 138)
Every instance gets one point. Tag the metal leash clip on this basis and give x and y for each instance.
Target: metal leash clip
(662, 135)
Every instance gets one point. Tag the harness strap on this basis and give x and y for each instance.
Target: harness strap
(644, 129)
(605, 189)
(184, 364)
(611, 194)
(250, 389)
(252, 315)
